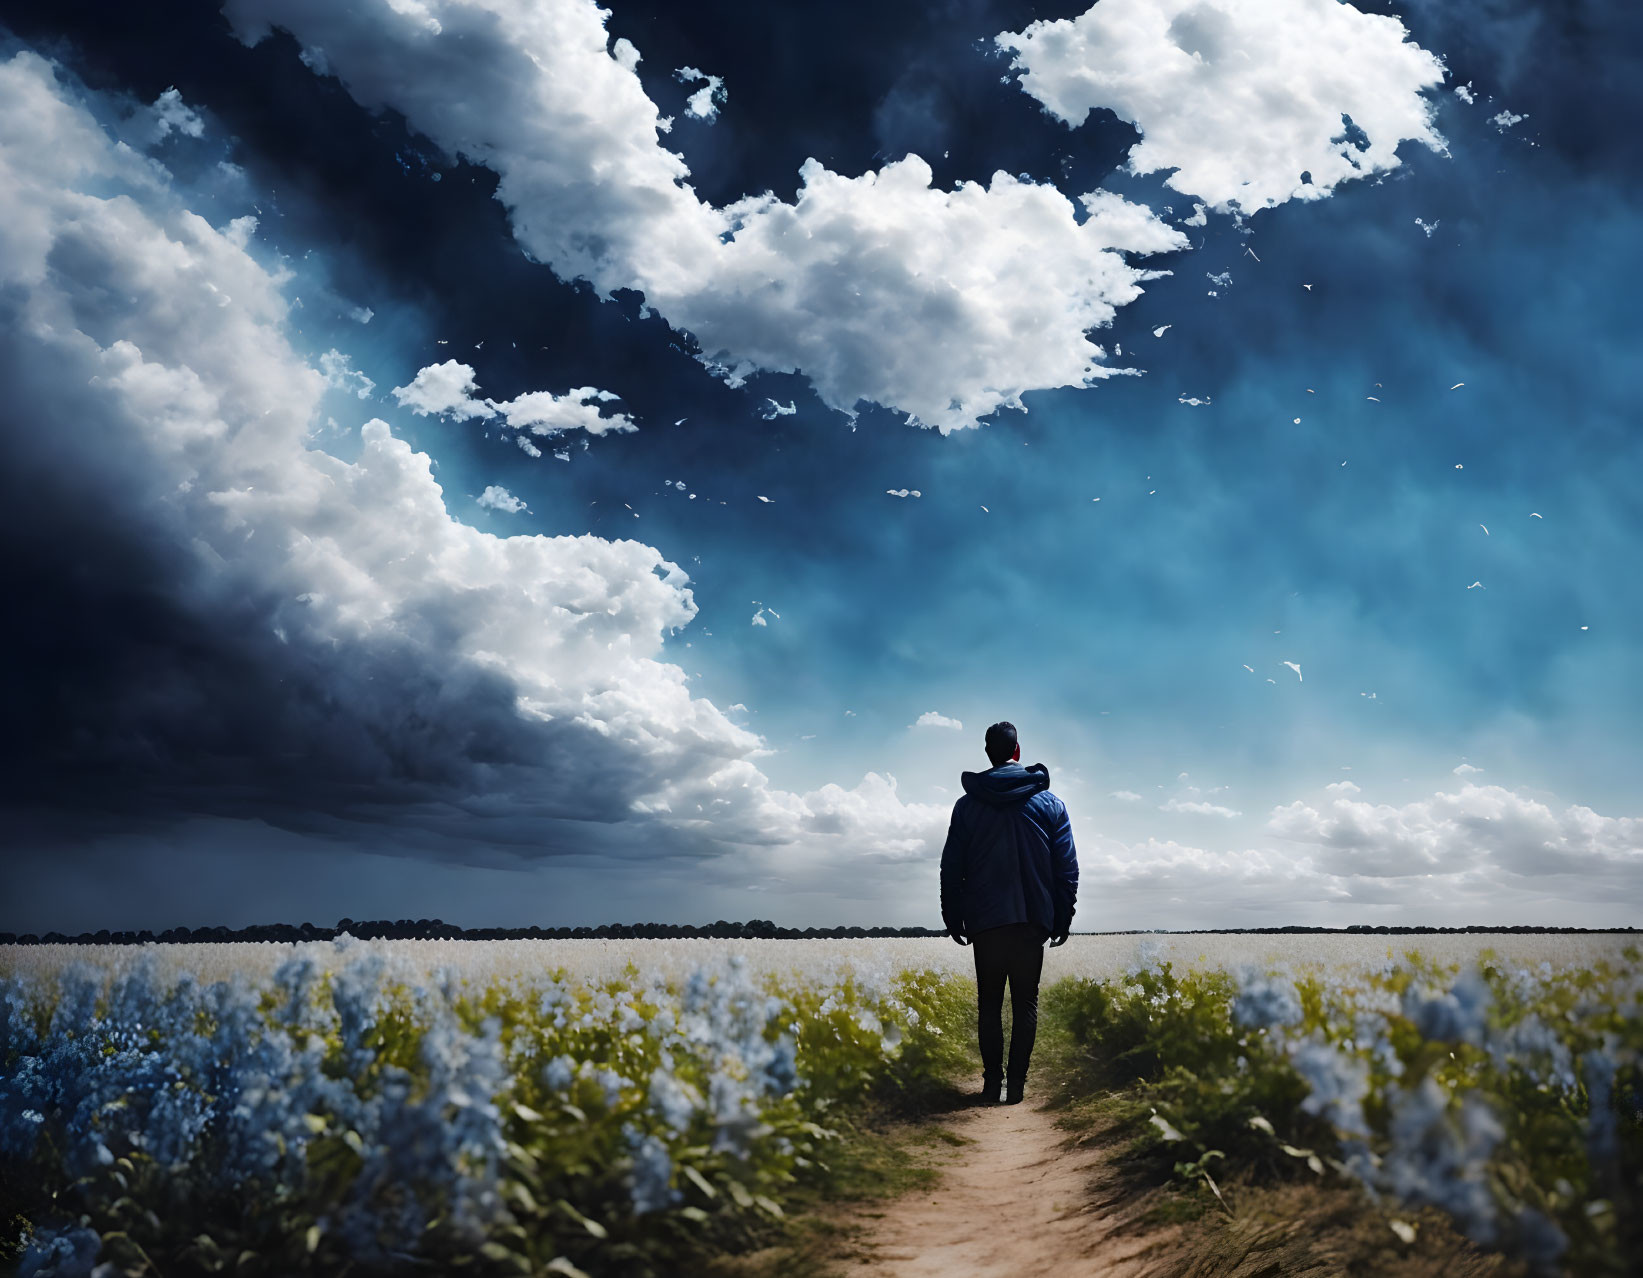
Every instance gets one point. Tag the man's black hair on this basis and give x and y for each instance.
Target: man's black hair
(1001, 742)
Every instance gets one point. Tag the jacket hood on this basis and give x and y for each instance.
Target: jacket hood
(1005, 785)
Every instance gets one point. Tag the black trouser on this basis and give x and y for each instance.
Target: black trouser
(1013, 953)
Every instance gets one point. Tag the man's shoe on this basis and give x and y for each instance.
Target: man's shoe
(991, 1090)
(1013, 1095)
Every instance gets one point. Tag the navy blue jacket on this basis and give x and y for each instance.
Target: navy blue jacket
(1009, 856)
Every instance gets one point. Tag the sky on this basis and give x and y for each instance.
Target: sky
(532, 463)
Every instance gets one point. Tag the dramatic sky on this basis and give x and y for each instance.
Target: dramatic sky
(518, 462)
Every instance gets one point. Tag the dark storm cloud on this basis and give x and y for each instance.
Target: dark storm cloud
(161, 664)
(854, 86)
(142, 686)
(1573, 68)
(486, 701)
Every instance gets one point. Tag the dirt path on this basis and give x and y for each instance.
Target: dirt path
(1015, 1199)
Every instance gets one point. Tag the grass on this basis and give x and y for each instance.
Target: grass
(1253, 1229)
(886, 1149)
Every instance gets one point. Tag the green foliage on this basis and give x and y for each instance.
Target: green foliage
(623, 1127)
(1171, 1041)
(1507, 1097)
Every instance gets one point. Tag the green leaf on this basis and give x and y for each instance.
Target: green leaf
(592, 1226)
(695, 1214)
(700, 1181)
(769, 1205)
(311, 1239)
(562, 1266)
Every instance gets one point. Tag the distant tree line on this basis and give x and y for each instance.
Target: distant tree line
(752, 930)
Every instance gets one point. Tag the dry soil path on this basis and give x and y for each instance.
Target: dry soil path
(1017, 1199)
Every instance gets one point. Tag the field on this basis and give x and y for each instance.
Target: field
(1086, 957)
(537, 1107)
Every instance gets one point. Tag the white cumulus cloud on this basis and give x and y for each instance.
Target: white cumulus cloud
(1483, 855)
(873, 816)
(448, 390)
(499, 498)
(703, 104)
(1198, 807)
(544, 413)
(340, 373)
(879, 288)
(1481, 830)
(1246, 102)
(931, 719)
(171, 114)
(445, 390)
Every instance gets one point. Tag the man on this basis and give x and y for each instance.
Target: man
(1009, 878)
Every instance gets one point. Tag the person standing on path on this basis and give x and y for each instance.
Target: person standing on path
(1009, 881)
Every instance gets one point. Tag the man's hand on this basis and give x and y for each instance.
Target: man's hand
(957, 936)
(1059, 939)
